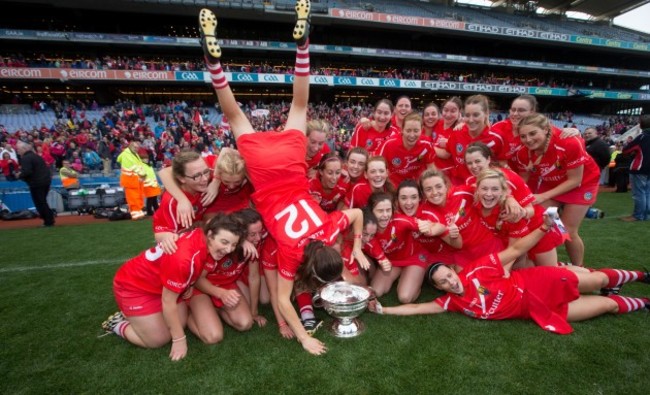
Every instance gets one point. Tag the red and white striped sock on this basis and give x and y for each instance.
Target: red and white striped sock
(304, 304)
(217, 75)
(302, 60)
(120, 328)
(619, 277)
(627, 304)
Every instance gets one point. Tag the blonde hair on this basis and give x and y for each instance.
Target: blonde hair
(537, 120)
(319, 125)
(414, 116)
(230, 162)
(492, 174)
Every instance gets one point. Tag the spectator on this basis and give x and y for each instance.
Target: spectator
(8, 166)
(91, 159)
(104, 152)
(597, 149)
(69, 177)
(640, 172)
(36, 174)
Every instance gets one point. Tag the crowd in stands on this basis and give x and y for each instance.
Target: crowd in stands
(536, 79)
(178, 125)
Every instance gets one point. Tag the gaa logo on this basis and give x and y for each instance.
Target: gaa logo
(189, 76)
(345, 81)
(244, 77)
(271, 78)
(320, 80)
(410, 84)
(367, 81)
(391, 83)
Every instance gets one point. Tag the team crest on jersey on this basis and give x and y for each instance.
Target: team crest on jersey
(396, 162)
(227, 263)
(482, 290)
(558, 165)
(368, 143)
(588, 196)
(434, 135)
(469, 313)
(461, 212)
(422, 258)
(459, 148)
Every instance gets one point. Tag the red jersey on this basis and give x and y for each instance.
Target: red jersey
(403, 163)
(312, 163)
(550, 170)
(358, 195)
(433, 244)
(153, 270)
(164, 219)
(226, 271)
(518, 188)
(397, 240)
(231, 200)
(328, 200)
(282, 198)
(457, 145)
(438, 133)
(488, 293)
(370, 138)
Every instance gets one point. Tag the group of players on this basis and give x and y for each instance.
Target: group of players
(414, 190)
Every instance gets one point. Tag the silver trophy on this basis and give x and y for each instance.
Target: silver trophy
(345, 302)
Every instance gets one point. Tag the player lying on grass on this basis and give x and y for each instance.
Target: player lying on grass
(551, 296)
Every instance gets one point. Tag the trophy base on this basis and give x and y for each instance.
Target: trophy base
(352, 329)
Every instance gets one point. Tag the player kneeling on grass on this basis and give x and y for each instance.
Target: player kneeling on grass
(218, 287)
(551, 296)
(150, 288)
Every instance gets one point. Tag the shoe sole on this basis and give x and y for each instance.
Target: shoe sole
(303, 7)
(312, 331)
(208, 27)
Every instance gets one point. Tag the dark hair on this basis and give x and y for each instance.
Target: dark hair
(321, 264)
(328, 157)
(225, 222)
(358, 150)
(368, 216)
(377, 197)
(408, 184)
(431, 270)
(383, 101)
(479, 146)
(644, 121)
(532, 100)
(245, 217)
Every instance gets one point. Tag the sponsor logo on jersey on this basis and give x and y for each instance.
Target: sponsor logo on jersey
(482, 290)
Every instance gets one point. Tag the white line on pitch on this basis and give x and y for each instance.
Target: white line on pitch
(60, 265)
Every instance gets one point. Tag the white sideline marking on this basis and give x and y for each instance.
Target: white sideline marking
(60, 265)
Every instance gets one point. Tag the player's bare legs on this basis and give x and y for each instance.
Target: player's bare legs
(208, 28)
(297, 118)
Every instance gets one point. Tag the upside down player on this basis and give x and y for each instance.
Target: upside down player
(550, 296)
(277, 168)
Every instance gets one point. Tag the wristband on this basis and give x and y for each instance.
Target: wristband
(379, 309)
(282, 324)
(179, 339)
(358, 236)
(544, 228)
